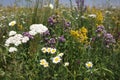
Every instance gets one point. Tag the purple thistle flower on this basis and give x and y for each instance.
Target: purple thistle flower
(27, 34)
(61, 39)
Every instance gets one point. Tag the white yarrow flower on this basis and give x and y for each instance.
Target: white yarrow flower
(92, 15)
(25, 39)
(12, 33)
(12, 49)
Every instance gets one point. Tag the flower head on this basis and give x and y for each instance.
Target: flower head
(12, 33)
(12, 49)
(51, 6)
(53, 50)
(61, 39)
(27, 34)
(61, 54)
(89, 65)
(44, 50)
(48, 49)
(44, 63)
(12, 23)
(56, 59)
(66, 64)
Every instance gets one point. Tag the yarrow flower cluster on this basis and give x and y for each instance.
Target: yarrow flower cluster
(16, 39)
(89, 64)
(12, 49)
(37, 28)
(92, 15)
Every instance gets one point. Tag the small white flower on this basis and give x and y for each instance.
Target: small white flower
(53, 50)
(12, 33)
(48, 50)
(25, 39)
(44, 50)
(37, 28)
(92, 15)
(89, 64)
(12, 49)
(51, 6)
(44, 63)
(56, 59)
(33, 33)
(66, 64)
(12, 23)
(61, 54)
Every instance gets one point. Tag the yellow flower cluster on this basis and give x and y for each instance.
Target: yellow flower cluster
(99, 15)
(80, 35)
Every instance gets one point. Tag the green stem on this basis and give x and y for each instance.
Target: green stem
(73, 75)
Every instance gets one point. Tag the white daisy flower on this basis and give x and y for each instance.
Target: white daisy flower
(56, 59)
(12, 23)
(44, 50)
(61, 54)
(89, 64)
(53, 50)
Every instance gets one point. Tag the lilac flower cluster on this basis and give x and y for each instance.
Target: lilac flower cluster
(53, 19)
(108, 39)
(100, 30)
(50, 42)
(27, 34)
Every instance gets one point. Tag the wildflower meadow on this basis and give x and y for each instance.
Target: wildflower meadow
(46, 40)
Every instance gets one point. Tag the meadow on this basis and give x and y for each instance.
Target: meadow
(55, 42)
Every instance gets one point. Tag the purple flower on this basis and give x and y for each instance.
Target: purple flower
(46, 33)
(27, 34)
(52, 41)
(100, 30)
(108, 38)
(61, 39)
(67, 24)
(52, 20)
